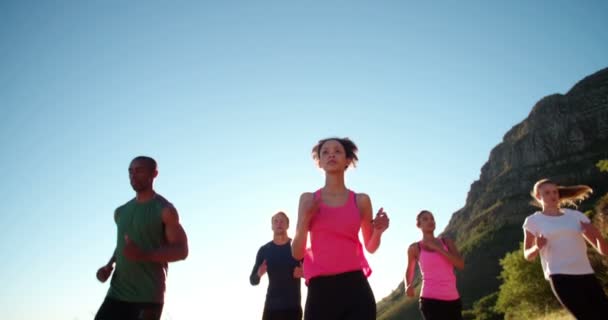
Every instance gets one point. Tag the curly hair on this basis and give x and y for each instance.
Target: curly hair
(350, 148)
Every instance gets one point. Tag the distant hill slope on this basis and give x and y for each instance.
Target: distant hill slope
(563, 138)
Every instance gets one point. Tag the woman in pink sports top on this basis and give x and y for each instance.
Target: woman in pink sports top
(334, 266)
(436, 258)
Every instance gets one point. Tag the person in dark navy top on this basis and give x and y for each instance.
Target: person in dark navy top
(283, 297)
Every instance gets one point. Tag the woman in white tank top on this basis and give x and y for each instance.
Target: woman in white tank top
(558, 235)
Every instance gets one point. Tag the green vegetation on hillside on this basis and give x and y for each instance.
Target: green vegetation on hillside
(524, 292)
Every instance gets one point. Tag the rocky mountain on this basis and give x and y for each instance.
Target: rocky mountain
(563, 138)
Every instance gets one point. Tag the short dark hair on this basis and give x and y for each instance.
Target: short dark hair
(421, 213)
(150, 163)
(349, 147)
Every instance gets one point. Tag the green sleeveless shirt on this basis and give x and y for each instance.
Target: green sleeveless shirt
(139, 281)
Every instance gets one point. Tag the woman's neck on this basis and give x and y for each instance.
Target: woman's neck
(334, 183)
(428, 236)
(552, 211)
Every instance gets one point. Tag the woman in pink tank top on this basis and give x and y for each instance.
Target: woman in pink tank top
(334, 266)
(436, 258)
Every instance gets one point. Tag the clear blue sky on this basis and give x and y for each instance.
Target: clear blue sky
(230, 97)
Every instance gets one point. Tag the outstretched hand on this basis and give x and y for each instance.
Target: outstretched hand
(381, 222)
(432, 244)
(132, 251)
(541, 241)
(311, 208)
(104, 273)
(262, 269)
(409, 291)
(298, 272)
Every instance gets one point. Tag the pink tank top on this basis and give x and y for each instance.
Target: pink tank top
(334, 241)
(438, 279)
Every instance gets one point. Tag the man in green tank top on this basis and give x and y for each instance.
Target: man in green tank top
(149, 237)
